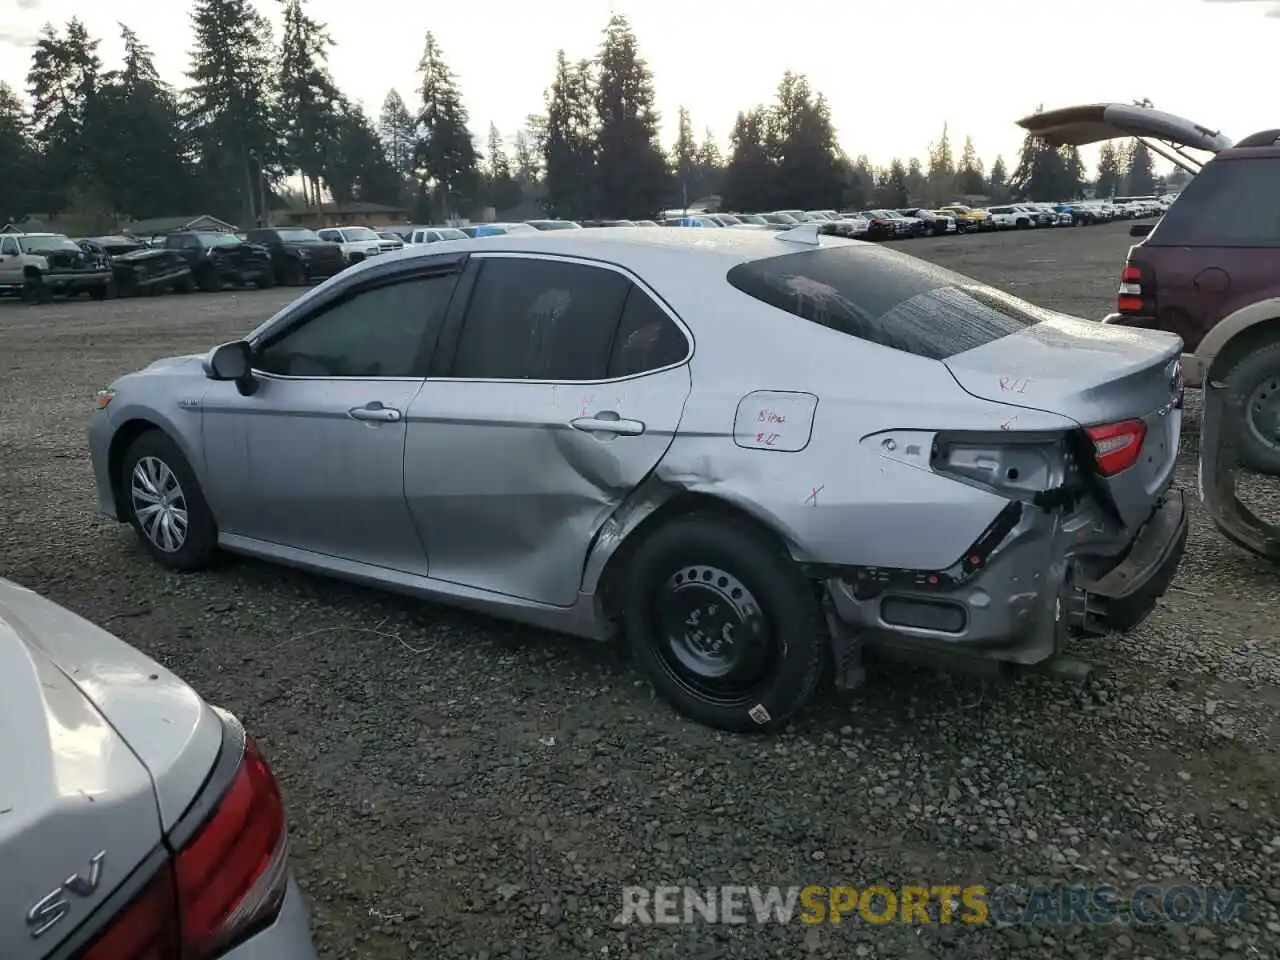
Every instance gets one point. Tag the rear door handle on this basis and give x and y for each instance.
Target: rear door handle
(375, 412)
(608, 422)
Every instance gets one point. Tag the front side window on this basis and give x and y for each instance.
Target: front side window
(532, 319)
(376, 332)
(1229, 203)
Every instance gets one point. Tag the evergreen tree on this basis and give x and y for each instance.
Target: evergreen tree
(398, 131)
(500, 187)
(528, 165)
(917, 183)
(892, 188)
(1074, 172)
(1140, 175)
(446, 155)
(133, 134)
(942, 168)
(17, 159)
(1041, 173)
(998, 182)
(62, 83)
(229, 105)
(802, 142)
(710, 166)
(684, 159)
(357, 168)
(750, 176)
(969, 176)
(567, 140)
(1110, 172)
(307, 97)
(630, 164)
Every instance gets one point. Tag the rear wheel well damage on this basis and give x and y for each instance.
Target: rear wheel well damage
(1241, 345)
(613, 578)
(121, 441)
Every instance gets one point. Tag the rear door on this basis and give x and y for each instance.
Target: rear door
(560, 386)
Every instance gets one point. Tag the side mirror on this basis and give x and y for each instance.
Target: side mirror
(234, 362)
(1140, 229)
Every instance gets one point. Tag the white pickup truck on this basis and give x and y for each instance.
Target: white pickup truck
(358, 243)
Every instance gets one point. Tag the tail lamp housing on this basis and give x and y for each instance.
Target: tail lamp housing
(1117, 446)
(227, 872)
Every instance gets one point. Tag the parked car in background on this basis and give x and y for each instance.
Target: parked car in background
(435, 234)
(297, 254)
(694, 220)
(38, 266)
(971, 217)
(1010, 218)
(137, 269)
(853, 227)
(646, 223)
(139, 822)
(936, 223)
(939, 500)
(880, 226)
(357, 243)
(496, 229)
(217, 259)
(799, 216)
(779, 220)
(612, 223)
(554, 224)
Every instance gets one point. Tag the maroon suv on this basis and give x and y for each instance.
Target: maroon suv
(1209, 270)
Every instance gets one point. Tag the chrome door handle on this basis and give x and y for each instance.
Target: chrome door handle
(375, 412)
(608, 422)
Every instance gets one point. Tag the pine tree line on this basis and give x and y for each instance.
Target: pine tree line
(257, 118)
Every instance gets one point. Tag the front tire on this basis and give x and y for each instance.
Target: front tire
(165, 504)
(35, 290)
(1254, 385)
(724, 624)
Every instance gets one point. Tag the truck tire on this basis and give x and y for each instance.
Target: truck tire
(1253, 386)
(35, 290)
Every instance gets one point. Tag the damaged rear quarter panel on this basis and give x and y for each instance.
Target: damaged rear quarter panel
(839, 500)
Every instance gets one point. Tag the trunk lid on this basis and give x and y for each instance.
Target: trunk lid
(72, 790)
(1092, 123)
(1094, 374)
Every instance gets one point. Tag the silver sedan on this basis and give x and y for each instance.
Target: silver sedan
(752, 453)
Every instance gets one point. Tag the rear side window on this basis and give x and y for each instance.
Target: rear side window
(887, 298)
(1229, 203)
(647, 338)
(532, 319)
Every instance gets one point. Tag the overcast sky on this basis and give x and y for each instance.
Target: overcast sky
(893, 70)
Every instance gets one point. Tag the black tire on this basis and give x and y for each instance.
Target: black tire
(103, 292)
(752, 586)
(209, 280)
(265, 281)
(293, 274)
(35, 290)
(185, 285)
(354, 259)
(1254, 380)
(127, 286)
(199, 544)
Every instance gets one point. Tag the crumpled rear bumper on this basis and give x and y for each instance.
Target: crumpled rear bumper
(1027, 599)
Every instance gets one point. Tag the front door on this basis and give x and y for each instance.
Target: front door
(314, 458)
(565, 389)
(10, 262)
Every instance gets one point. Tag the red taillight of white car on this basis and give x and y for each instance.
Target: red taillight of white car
(225, 883)
(1117, 446)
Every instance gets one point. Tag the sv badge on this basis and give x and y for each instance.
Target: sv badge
(56, 904)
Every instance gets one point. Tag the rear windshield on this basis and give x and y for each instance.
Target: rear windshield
(1229, 203)
(887, 298)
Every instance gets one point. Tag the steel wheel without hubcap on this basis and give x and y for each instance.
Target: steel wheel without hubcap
(159, 504)
(1262, 412)
(715, 640)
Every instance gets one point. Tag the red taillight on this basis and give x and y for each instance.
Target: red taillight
(1117, 446)
(231, 876)
(1131, 297)
(147, 930)
(1131, 274)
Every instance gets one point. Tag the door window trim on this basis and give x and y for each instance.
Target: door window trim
(312, 309)
(460, 319)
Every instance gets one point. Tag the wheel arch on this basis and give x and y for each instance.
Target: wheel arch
(134, 425)
(1237, 334)
(609, 558)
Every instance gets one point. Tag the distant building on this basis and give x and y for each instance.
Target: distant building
(159, 226)
(340, 215)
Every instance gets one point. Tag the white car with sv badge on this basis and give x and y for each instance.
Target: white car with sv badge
(136, 821)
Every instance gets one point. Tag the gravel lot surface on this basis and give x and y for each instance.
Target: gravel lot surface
(459, 787)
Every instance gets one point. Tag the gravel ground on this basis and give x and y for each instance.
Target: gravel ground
(459, 787)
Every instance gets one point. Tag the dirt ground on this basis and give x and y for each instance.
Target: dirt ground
(459, 787)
